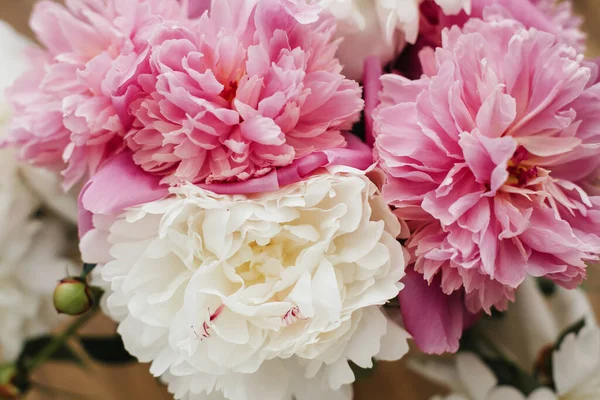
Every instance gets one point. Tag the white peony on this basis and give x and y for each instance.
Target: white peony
(378, 28)
(33, 261)
(530, 325)
(32, 247)
(576, 365)
(261, 297)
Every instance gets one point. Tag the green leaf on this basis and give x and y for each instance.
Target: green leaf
(496, 314)
(506, 371)
(509, 374)
(468, 341)
(87, 268)
(362, 373)
(546, 286)
(575, 328)
(34, 346)
(107, 350)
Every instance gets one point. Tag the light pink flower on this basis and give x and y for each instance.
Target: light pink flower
(484, 157)
(245, 90)
(63, 107)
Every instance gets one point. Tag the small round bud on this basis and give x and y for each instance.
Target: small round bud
(8, 390)
(72, 296)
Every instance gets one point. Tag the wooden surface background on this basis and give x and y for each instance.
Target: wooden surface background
(391, 381)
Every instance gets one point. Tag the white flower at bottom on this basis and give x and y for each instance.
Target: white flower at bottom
(259, 297)
(525, 331)
(576, 365)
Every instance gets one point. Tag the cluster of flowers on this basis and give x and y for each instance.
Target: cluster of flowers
(247, 238)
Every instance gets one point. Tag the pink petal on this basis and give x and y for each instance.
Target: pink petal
(119, 184)
(262, 130)
(356, 155)
(372, 86)
(545, 146)
(197, 7)
(302, 11)
(434, 319)
(496, 114)
(596, 62)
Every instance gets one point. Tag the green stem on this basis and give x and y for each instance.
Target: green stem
(525, 381)
(59, 341)
(495, 349)
(86, 270)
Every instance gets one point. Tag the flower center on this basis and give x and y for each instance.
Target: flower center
(229, 91)
(266, 263)
(520, 173)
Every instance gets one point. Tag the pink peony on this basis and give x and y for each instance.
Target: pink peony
(63, 110)
(483, 158)
(245, 89)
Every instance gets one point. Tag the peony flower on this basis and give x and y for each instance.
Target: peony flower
(538, 323)
(245, 90)
(265, 296)
(378, 28)
(34, 259)
(32, 247)
(63, 107)
(483, 157)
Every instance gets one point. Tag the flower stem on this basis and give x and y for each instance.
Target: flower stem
(86, 270)
(495, 349)
(518, 378)
(60, 340)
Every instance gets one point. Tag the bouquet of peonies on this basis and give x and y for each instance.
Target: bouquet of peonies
(274, 195)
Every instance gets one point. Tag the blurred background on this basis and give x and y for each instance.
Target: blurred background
(390, 381)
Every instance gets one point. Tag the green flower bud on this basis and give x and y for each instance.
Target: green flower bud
(8, 390)
(72, 296)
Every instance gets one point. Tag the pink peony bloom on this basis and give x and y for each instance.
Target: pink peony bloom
(483, 158)
(244, 90)
(63, 107)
